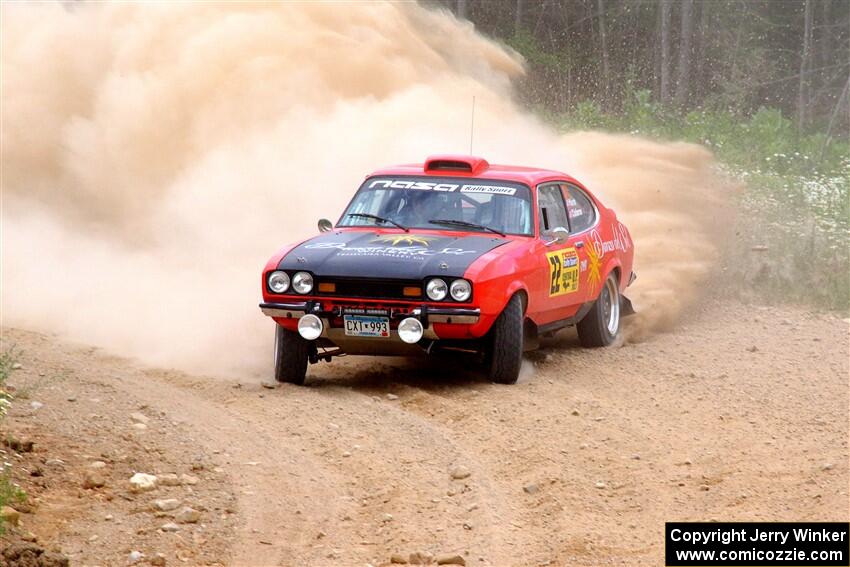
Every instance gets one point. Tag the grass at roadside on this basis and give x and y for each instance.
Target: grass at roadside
(10, 492)
(8, 361)
(795, 210)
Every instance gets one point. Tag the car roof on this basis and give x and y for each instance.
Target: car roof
(455, 165)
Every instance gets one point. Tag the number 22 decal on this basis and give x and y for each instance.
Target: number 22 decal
(563, 272)
(555, 274)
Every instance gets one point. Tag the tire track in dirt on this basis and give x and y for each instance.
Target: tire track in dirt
(371, 457)
(481, 420)
(391, 462)
(503, 429)
(459, 514)
(274, 481)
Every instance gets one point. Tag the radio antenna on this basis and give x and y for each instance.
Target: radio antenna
(472, 125)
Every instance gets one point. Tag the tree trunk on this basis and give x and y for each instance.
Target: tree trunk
(665, 50)
(568, 47)
(802, 92)
(589, 78)
(700, 50)
(518, 17)
(825, 43)
(606, 70)
(684, 70)
(828, 138)
(460, 10)
(634, 60)
(541, 15)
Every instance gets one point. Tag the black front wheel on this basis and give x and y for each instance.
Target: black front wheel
(291, 352)
(504, 356)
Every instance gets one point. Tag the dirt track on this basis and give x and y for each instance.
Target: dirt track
(582, 462)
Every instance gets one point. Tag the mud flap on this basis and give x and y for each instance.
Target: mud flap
(626, 308)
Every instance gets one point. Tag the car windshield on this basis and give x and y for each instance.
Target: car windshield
(457, 203)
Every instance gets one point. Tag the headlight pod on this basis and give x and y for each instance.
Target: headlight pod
(410, 330)
(310, 327)
(302, 282)
(461, 290)
(278, 282)
(436, 289)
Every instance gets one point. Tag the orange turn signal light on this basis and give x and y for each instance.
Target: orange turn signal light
(411, 291)
(327, 287)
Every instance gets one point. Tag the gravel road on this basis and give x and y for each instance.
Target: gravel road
(740, 414)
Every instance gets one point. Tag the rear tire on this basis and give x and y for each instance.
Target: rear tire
(290, 356)
(601, 325)
(504, 356)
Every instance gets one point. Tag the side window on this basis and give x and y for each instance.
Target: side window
(582, 213)
(552, 213)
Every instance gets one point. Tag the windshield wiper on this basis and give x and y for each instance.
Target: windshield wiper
(452, 222)
(379, 219)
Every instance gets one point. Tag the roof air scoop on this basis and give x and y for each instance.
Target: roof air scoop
(470, 165)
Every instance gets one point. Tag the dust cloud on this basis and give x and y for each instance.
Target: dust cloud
(155, 155)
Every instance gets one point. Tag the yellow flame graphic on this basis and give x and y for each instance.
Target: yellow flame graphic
(593, 263)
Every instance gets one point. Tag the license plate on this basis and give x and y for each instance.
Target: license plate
(365, 326)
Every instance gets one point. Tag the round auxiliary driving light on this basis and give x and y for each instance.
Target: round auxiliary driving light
(461, 290)
(278, 282)
(436, 289)
(302, 282)
(410, 330)
(310, 327)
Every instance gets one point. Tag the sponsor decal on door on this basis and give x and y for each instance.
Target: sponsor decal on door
(563, 272)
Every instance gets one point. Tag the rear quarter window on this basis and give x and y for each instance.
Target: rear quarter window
(580, 209)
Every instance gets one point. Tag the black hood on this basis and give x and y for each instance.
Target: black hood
(402, 255)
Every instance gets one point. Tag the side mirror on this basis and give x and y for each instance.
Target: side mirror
(561, 233)
(559, 236)
(325, 225)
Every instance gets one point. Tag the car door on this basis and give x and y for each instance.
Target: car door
(558, 252)
(583, 218)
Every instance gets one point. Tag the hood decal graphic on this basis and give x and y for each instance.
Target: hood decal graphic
(402, 255)
(411, 239)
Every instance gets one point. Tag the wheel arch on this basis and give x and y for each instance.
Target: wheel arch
(517, 287)
(617, 271)
(614, 266)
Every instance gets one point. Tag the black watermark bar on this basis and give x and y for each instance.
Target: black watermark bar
(765, 544)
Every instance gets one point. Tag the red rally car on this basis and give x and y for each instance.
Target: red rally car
(452, 254)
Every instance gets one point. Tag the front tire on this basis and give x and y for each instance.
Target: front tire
(291, 352)
(505, 349)
(601, 325)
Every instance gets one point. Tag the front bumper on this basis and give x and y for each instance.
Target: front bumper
(285, 310)
(439, 323)
(428, 315)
